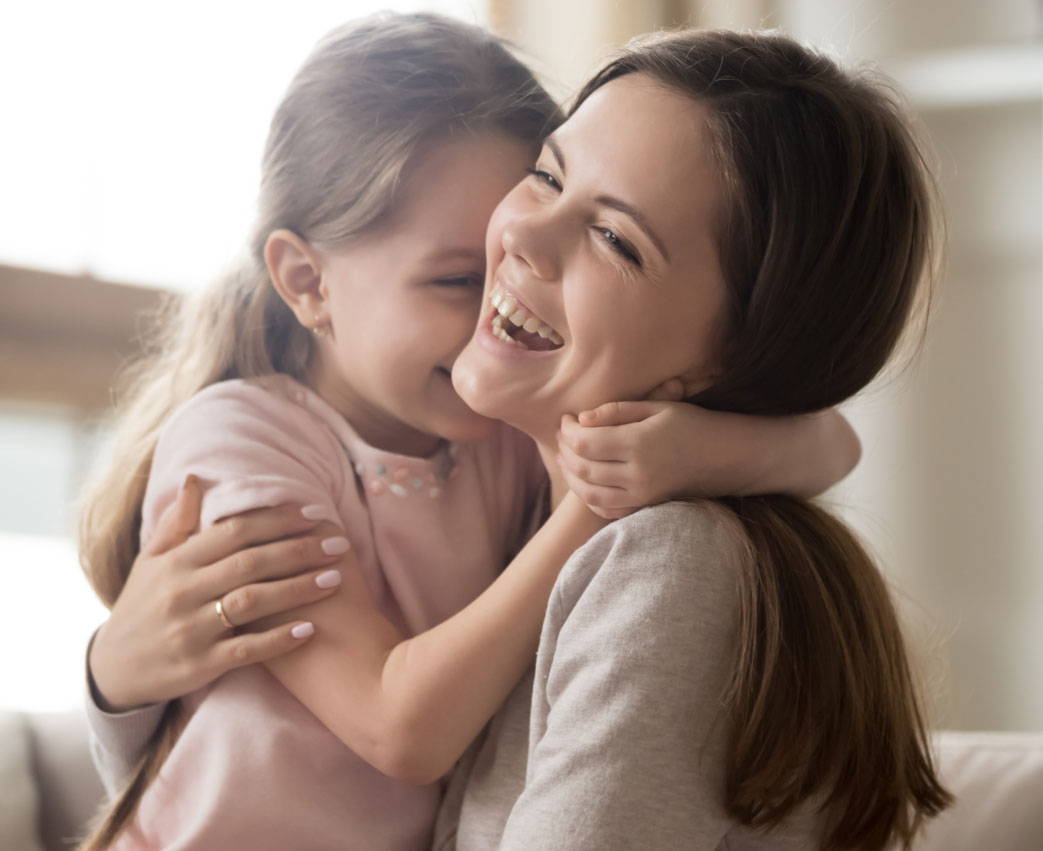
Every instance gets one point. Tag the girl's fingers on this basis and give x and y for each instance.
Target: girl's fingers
(672, 390)
(180, 519)
(250, 648)
(603, 501)
(241, 531)
(618, 413)
(595, 444)
(611, 474)
(276, 560)
(242, 606)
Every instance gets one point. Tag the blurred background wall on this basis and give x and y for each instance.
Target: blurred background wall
(949, 493)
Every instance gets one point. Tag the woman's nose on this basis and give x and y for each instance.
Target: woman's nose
(530, 239)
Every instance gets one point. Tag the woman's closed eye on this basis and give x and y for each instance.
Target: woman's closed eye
(545, 177)
(619, 245)
(623, 248)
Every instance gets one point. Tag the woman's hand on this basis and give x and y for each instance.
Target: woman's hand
(165, 637)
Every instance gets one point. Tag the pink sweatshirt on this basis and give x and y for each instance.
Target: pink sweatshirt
(254, 768)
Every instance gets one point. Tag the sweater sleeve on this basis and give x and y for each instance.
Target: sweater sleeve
(117, 739)
(628, 730)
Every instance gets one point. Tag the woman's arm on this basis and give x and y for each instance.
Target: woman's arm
(411, 706)
(163, 639)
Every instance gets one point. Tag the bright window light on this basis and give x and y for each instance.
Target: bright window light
(130, 151)
(133, 131)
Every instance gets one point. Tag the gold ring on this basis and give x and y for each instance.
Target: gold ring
(221, 614)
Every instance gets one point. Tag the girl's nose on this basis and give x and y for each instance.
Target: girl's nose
(529, 238)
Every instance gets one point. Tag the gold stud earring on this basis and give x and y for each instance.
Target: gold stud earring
(320, 330)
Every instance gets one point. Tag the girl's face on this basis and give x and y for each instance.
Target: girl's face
(608, 246)
(403, 299)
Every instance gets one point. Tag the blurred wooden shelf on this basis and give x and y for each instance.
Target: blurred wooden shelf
(64, 337)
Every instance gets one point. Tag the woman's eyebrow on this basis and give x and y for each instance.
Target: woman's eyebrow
(613, 202)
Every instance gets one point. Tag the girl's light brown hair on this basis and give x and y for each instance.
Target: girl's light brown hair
(826, 248)
(357, 114)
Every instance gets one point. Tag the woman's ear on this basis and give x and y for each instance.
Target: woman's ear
(295, 268)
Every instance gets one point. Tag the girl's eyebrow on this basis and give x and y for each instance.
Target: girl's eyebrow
(614, 203)
(454, 253)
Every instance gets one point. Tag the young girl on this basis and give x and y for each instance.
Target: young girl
(318, 374)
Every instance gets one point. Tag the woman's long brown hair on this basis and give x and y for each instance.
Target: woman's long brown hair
(366, 102)
(826, 245)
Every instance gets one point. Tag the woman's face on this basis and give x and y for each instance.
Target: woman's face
(606, 258)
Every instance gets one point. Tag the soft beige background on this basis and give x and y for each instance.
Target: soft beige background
(950, 491)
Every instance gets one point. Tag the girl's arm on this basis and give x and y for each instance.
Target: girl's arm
(410, 707)
(625, 455)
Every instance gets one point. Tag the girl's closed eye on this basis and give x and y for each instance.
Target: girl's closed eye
(474, 280)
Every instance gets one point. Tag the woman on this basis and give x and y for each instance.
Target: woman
(725, 674)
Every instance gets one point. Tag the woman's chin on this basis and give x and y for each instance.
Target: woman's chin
(484, 389)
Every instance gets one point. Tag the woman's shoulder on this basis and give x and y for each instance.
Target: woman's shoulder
(677, 550)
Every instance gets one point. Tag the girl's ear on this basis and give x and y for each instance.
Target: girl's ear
(295, 269)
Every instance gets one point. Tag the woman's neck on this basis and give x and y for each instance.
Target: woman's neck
(558, 486)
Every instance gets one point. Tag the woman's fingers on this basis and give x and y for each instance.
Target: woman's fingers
(180, 519)
(276, 560)
(244, 605)
(250, 648)
(242, 531)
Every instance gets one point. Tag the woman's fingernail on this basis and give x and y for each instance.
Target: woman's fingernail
(335, 546)
(328, 579)
(303, 630)
(314, 512)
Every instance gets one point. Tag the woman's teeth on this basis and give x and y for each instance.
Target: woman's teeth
(514, 324)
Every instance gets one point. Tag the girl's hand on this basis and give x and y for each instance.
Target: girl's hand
(164, 637)
(626, 455)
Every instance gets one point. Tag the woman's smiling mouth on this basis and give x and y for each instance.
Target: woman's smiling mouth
(515, 324)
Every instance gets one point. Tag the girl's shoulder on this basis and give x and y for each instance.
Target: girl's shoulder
(264, 393)
(262, 407)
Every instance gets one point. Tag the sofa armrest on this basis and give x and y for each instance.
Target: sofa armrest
(997, 779)
(69, 788)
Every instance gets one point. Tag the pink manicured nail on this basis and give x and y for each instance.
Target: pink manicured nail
(303, 630)
(314, 512)
(335, 546)
(328, 579)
